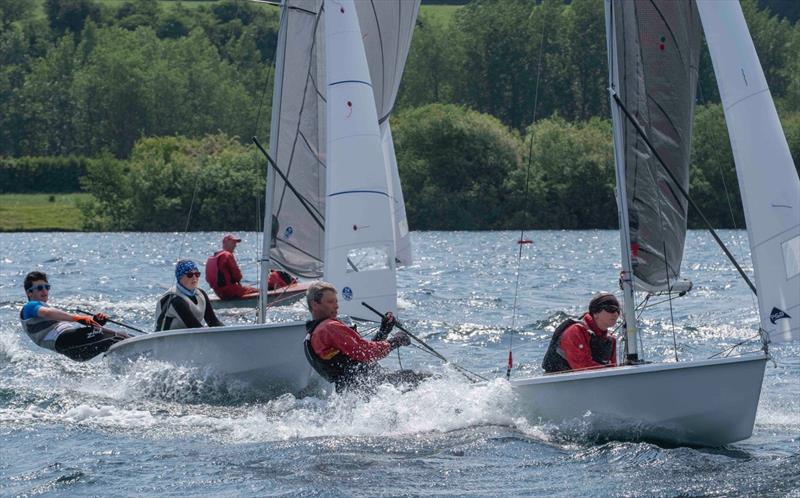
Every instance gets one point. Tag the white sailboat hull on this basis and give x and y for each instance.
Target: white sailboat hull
(702, 403)
(268, 357)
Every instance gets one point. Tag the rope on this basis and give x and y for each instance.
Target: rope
(189, 216)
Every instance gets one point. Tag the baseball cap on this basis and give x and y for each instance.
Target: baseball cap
(232, 237)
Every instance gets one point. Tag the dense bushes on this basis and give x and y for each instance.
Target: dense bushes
(215, 183)
(41, 174)
(453, 164)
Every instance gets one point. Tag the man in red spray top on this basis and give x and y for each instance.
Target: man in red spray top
(223, 273)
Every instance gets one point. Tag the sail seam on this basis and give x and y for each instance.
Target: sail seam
(350, 81)
(734, 104)
(343, 192)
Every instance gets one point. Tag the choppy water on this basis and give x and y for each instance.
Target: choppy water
(79, 430)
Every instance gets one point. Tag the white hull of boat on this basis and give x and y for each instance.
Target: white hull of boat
(701, 403)
(268, 357)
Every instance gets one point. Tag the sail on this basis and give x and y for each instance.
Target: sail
(658, 46)
(387, 27)
(297, 142)
(768, 180)
(402, 237)
(359, 243)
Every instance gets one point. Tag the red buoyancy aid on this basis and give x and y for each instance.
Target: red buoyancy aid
(278, 279)
(215, 275)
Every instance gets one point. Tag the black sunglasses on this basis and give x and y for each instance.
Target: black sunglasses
(39, 287)
(610, 308)
(192, 274)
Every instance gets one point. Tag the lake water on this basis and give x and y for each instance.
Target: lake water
(76, 429)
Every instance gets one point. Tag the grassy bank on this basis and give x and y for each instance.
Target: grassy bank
(23, 212)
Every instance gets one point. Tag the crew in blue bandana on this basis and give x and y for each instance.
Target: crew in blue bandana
(185, 305)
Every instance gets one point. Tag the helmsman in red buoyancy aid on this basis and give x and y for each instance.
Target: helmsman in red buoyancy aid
(223, 273)
(585, 343)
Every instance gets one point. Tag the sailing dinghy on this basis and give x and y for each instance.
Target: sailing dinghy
(653, 52)
(335, 156)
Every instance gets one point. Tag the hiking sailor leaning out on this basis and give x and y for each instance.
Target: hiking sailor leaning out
(78, 337)
(585, 343)
(343, 357)
(185, 305)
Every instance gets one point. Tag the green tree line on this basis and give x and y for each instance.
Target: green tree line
(106, 80)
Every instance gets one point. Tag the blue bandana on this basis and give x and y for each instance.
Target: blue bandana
(183, 267)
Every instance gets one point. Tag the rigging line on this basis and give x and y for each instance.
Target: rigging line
(189, 216)
(669, 299)
(729, 350)
(262, 99)
(522, 240)
(683, 192)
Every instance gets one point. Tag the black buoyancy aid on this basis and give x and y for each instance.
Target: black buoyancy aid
(554, 361)
(332, 369)
(601, 348)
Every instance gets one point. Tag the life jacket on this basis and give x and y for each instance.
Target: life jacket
(166, 316)
(44, 332)
(278, 279)
(335, 368)
(555, 360)
(215, 275)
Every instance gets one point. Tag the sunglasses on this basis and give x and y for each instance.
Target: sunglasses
(193, 274)
(610, 308)
(39, 287)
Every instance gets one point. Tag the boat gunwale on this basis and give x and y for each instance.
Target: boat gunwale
(634, 369)
(267, 327)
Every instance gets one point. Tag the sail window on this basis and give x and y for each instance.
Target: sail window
(791, 256)
(368, 259)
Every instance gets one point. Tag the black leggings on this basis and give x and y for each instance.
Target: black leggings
(84, 343)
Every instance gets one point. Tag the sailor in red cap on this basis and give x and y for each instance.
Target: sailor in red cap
(223, 273)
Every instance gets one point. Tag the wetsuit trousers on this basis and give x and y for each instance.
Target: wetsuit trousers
(84, 343)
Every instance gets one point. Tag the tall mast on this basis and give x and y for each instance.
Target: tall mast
(269, 189)
(626, 278)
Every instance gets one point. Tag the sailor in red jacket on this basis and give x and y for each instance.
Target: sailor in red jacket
(343, 357)
(585, 343)
(223, 273)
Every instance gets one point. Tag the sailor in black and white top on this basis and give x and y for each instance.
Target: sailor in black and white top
(185, 305)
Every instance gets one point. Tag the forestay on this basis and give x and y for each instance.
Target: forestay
(768, 180)
(657, 55)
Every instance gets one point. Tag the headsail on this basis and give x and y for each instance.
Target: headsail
(658, 46)
(768, 180)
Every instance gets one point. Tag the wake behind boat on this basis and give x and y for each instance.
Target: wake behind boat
(653, 52)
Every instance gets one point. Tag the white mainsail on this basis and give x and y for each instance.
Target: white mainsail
(768, 180)
(359, 243)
